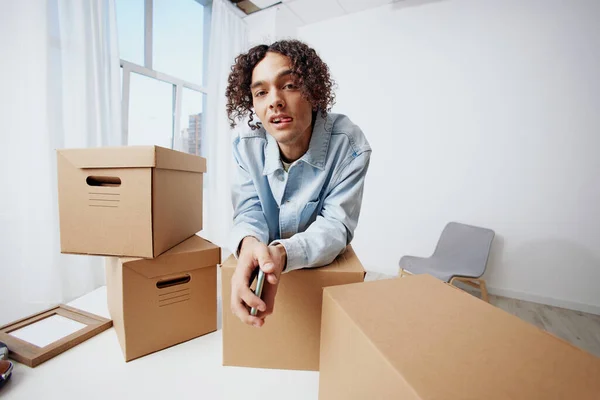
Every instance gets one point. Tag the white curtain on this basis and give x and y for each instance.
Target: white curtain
(60, 88)
(228, 38)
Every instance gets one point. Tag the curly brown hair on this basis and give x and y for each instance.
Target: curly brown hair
(311, 72)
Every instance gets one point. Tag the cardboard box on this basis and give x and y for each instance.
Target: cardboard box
(289, 339)
(134, 201)
(419, 338)
(157, 303)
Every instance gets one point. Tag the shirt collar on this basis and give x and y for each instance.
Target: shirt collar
(317, 149)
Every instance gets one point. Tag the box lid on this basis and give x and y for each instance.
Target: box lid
(445, 343)
(345, 262)
(134, 157)
(191, 254)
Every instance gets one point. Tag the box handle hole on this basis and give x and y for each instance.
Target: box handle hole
(103, 181)
(173, 282)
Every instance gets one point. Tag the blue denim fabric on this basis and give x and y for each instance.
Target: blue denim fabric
(312, 209)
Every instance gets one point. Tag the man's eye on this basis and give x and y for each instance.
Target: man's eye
(259, 93)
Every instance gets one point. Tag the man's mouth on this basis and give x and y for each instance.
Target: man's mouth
(281, 120)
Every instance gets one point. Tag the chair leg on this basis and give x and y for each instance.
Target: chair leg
(475, 283)
(404, 272)
(484, 292)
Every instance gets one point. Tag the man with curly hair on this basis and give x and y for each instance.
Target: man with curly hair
(300, 170)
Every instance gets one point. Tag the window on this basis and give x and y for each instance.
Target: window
(177, 45)
(130, 26)
(191, 121)
(150, 112)
(163, 45)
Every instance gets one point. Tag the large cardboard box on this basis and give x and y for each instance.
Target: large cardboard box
(134, 201)
(289, 339)
(419, 338)
(157, 303)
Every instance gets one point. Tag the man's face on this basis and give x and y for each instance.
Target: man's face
(278, 102)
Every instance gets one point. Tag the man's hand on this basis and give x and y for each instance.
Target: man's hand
(271, 260)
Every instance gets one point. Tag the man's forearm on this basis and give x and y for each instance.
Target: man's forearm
(317, 246)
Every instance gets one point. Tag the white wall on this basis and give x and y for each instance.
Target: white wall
(261, 26)
(286, 23)
(484, 112)
(272, 24)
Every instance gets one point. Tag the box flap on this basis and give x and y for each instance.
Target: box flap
(448, 344)
(189, 255)
(345, 262)
(171, 159)
(133, 157)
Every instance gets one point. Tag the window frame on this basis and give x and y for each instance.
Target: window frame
(147, 70)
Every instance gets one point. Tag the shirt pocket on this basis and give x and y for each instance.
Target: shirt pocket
(308, 214)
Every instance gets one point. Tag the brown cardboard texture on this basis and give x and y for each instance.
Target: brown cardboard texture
(419, 338)
(157, 303)
(134, 201)
(289, 339)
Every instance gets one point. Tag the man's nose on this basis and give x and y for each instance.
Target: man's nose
(276, 100)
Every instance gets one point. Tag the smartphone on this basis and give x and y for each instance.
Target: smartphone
(258, 291)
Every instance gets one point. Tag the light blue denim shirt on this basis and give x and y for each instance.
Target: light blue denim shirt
(312, 209)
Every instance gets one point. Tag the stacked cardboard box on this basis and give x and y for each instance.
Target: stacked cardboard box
(290, 337)
(142, 206)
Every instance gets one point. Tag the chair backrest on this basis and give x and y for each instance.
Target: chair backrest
(466, 245)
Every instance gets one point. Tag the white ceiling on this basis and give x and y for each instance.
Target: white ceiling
(311, 11)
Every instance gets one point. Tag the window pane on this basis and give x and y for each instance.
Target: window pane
(130, 25)
(150, 112)
(178, 39)
(191, 121)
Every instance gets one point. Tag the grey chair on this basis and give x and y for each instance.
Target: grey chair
(461, 255)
